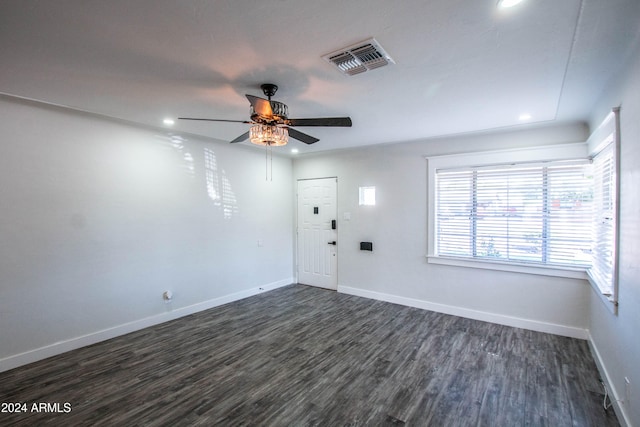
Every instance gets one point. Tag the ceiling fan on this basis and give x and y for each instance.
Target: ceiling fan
(271, 125)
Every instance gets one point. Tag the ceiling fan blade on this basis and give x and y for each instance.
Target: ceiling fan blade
(240, 138)
(328, 121)
(307, 139)
(215, 120)
(260, 105)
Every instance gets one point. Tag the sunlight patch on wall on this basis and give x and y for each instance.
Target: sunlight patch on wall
(218, 186)
(177, 143)
(367, 196)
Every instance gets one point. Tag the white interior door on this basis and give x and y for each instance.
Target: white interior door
(317, 236)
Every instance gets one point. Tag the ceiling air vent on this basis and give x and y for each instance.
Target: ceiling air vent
(360, 57)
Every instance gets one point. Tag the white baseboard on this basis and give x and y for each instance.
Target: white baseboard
(105, 334)
(613, 392)
(534, 325)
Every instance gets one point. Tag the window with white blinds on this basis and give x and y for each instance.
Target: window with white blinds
(517, 213)
(602, 270)
(604, 147)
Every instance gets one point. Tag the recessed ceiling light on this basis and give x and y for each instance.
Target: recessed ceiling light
(524, 116)
(168, 122)
(508, 3)
(294, 150)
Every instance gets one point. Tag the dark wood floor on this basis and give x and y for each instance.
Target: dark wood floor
(302, 356)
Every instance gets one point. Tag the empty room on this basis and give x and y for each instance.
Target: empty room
(332, 213)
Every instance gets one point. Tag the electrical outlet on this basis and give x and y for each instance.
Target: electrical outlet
(627, 390)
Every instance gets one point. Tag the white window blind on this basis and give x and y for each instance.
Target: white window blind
(522, 213)
(604, 224)
(604, 144)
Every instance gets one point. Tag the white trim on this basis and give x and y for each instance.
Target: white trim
(541, 153)
(599, 138)
(540, 270)
(105, 334)
(623, 417)
(616, 244)
(517, 322)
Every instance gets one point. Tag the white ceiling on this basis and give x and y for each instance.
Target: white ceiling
(461, 65)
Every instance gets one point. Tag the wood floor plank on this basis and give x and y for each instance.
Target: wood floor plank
(310, 357)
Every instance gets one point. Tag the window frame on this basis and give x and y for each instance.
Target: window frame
(608, 134)
(556, 152)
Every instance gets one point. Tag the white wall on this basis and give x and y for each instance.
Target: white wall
(615, 338)
(98, 218)
(397, 269)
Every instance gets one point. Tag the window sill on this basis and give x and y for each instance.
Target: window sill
(571, 273)
(608, 300)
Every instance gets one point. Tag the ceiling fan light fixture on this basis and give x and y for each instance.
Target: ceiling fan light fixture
(268, 135)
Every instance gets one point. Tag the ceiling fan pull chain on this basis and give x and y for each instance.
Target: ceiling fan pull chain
(268, 158)
(266, 162)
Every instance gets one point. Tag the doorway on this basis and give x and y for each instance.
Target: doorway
(317, 234)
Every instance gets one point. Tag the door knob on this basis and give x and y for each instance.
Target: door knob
(333, 243)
